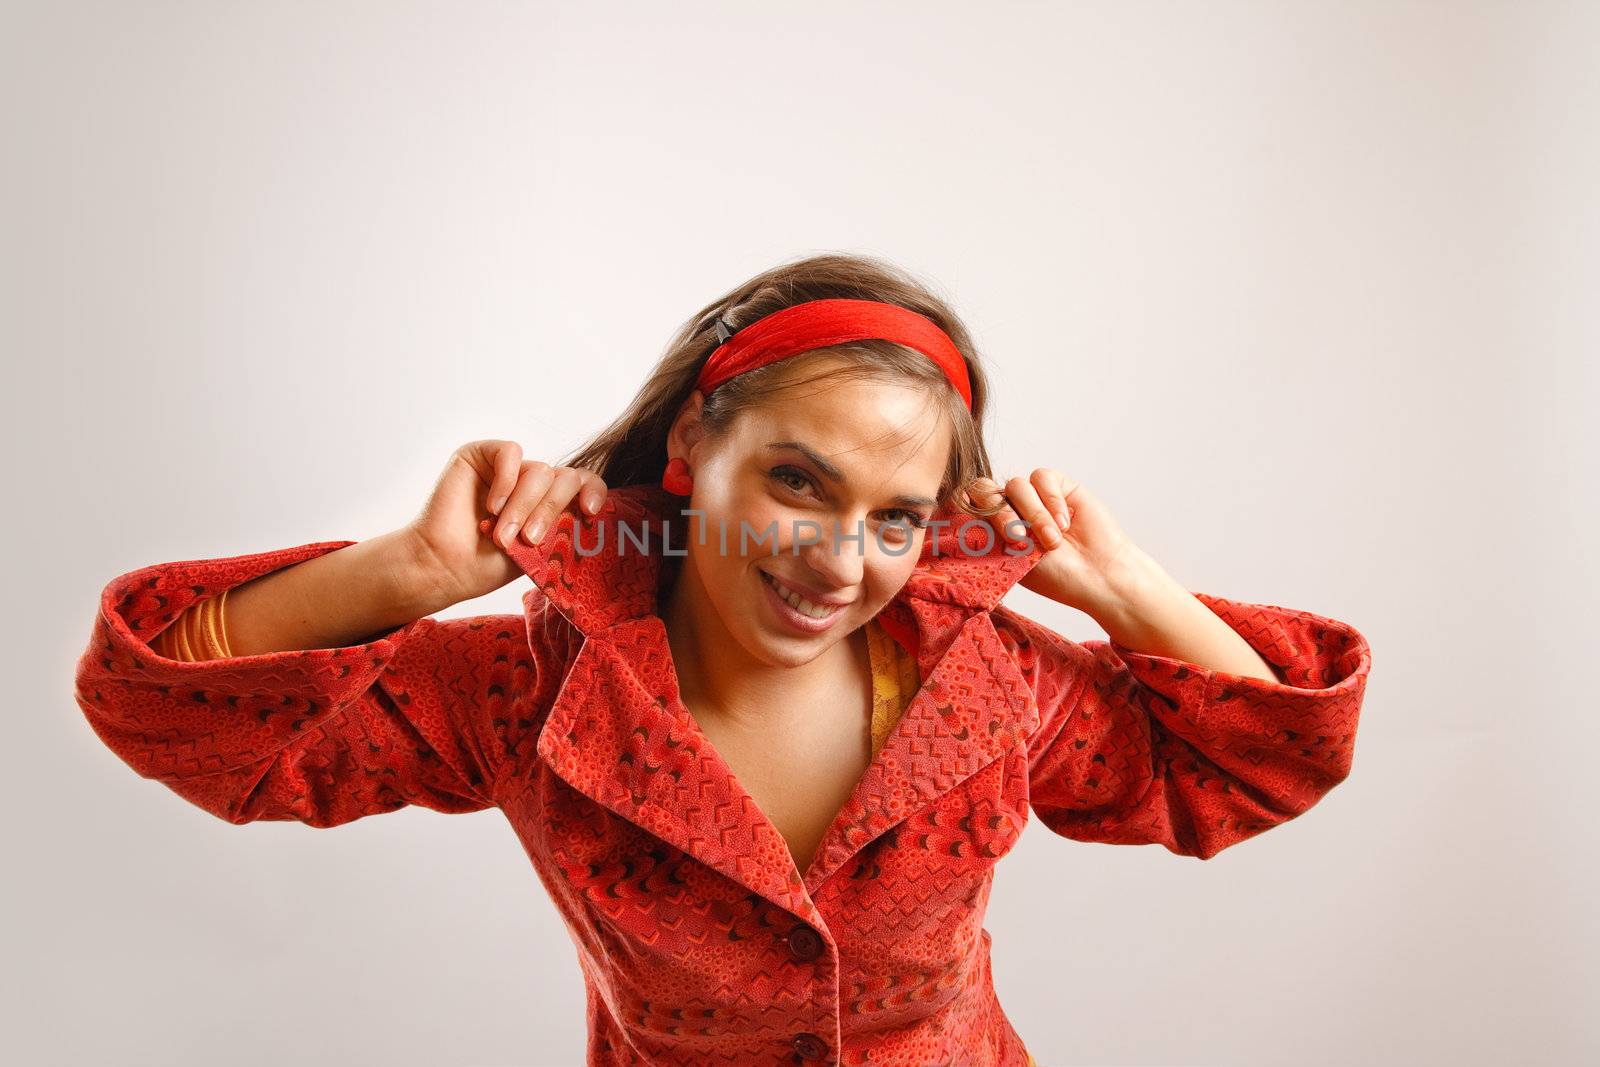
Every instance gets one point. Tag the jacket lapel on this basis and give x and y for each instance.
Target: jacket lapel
(618, 731)
(973, 704)
(619, 734)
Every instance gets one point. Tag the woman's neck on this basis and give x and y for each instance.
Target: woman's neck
(717, 676)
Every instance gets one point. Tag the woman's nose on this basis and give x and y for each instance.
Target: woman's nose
(837, 558)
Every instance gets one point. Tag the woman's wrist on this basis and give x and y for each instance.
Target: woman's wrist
(333, 600)
(421, 585)
(1132, 591)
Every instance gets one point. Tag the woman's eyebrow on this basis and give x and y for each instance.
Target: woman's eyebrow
(837, 475)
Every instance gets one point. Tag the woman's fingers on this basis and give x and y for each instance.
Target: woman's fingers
(1024, 497)
(507, 465)
(593, 493)
(1036, 506)
(533, 479)
(986, 492)
(1012, 528)
(559, 494)
(1054, 489)
(535, 496)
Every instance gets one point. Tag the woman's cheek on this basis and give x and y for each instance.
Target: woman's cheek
(768, 529)
(895, 549)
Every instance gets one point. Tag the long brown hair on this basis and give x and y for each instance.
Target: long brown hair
(633, 449)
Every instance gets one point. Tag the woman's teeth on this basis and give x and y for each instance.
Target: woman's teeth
(798, 602)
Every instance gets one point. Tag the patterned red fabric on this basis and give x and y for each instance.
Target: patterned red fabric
(698, 939)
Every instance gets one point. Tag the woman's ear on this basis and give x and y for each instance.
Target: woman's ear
(687, 429)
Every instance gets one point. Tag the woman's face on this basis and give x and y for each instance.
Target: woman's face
(828, 484)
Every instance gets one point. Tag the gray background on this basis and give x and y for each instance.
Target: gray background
(1298, 289)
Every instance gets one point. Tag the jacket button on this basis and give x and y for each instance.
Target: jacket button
(805, 943)
(809, 1046)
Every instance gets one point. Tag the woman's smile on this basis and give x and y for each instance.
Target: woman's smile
(795, 610)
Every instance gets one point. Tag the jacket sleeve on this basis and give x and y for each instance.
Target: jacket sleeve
(1136, 749)
(439, 714)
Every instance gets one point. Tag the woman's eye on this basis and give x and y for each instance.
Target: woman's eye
(910, 518)
(785, 474)
(797, 480)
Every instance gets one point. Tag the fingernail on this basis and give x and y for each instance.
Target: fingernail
(535, 531)
(510, 534)
(1062, 520)
(496, 504)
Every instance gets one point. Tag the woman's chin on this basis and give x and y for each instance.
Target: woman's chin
(780, 646)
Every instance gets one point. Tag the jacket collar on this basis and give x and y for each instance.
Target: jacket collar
(619, 733)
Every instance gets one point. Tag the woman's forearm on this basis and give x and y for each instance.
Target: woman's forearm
(1149, 611)
(341, 598)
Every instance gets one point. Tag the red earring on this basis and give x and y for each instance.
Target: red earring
(676, 478)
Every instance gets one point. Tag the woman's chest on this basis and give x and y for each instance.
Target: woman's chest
(799, 767)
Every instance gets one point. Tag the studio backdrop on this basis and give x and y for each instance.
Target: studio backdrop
(1302, 292)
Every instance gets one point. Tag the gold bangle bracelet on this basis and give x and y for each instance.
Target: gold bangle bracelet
(199, 633)
(213, 627)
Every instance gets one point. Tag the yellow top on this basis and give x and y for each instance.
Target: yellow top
(894, 681)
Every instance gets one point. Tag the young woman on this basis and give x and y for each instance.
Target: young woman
(763, 727)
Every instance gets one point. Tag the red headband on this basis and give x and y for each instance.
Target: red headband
(820, 323)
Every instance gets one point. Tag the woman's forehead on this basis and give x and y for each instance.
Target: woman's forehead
(855, 416)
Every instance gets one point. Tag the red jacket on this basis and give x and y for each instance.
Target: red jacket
(699, 940)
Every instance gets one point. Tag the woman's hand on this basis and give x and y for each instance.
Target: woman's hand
(490, 480)
(1087, 557)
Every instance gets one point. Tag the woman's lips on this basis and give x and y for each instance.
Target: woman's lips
(795, 619)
